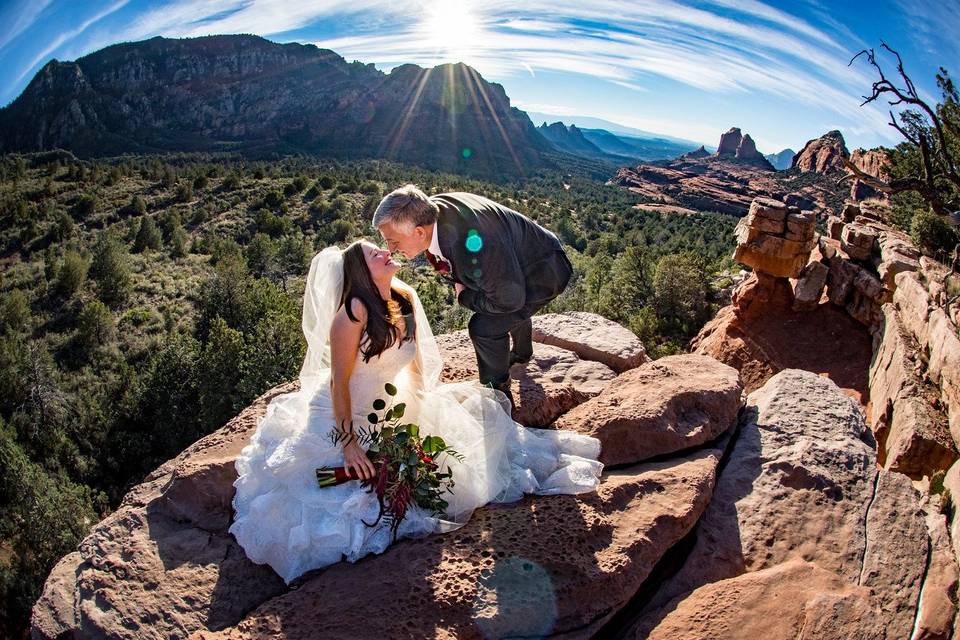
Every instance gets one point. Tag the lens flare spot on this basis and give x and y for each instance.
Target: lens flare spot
(466, 153)
(473, 242)
(477, 273)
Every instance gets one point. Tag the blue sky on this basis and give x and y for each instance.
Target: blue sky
(686, 68)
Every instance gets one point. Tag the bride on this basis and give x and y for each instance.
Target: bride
(365, 328)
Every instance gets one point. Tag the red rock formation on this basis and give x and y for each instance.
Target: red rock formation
(726, 182)
(810, 603)
(747, 149)
(729, 142)
(874, 162)
(822, 155)
(696, 154)
(665, 406)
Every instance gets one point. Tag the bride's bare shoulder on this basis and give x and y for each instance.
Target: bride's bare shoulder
(356, 315)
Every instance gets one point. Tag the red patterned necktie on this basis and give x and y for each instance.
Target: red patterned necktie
(442, 266)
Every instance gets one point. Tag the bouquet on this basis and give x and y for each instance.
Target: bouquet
(406, 465)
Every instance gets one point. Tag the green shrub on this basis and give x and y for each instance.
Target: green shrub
(86, 205)
(932, 234)
(148, 236)
(95, 326)
(71, 274)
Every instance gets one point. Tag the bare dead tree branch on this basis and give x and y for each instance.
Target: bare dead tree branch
(932, 152)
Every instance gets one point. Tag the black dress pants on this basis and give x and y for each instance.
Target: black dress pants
(491, 333)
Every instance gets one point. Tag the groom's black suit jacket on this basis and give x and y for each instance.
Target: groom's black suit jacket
(506, 261)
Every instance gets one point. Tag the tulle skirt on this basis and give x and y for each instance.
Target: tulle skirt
(285, 519)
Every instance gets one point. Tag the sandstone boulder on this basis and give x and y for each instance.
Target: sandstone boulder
(938, 598)
(541, 566)
(665, 406)
(912, 435)
(553, 382)
(896, 551)
(858, 240)
(592, 337)
(896, 255)
(801, 450)
(945, 365)
(913, 306)
(795, 599)
(808, 287)
(773, 239)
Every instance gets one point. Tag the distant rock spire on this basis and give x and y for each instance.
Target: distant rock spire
(729, 142)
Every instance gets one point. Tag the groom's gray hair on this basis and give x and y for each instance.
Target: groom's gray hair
(406, 206)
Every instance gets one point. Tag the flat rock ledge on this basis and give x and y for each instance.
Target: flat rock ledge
(592, 337)
(662, 407)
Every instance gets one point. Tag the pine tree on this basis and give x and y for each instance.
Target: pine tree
(110, 269)
(148, 236)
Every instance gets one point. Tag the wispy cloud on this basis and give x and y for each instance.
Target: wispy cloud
(18, 17)
(743, 49)
(716, 52)
(69, 35)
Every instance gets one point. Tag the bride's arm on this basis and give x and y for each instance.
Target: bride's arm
(344, 344)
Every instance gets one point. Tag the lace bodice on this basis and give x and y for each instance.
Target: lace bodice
(368, 378)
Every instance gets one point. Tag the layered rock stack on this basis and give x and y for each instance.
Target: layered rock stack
(876, 277)
(864, 256)
(775, 239)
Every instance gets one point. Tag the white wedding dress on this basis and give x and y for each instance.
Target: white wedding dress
(285, 519)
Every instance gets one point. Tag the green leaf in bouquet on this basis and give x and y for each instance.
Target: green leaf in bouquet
(413, 458)
(433, 445)
(385, 434)
(373, 418)
(390, 389)
(379, 404)
(402, 437)
(412, 429)
(388, 416)
(399, 409)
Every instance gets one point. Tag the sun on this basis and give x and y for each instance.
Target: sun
(451, 29)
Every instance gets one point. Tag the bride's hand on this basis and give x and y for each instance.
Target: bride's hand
(355, 459)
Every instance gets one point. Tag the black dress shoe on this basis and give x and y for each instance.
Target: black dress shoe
(515, 359)
(504, 387)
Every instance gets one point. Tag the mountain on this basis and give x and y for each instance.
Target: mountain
(822, 155)
(781, 160)
(569, 139)
(590, 122)
(626, 142)
(241, 92)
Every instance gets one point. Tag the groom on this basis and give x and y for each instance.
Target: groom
(504, 266)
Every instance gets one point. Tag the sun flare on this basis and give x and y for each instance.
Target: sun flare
(451, 29)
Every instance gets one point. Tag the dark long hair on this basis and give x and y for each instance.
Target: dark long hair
(385, 325)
